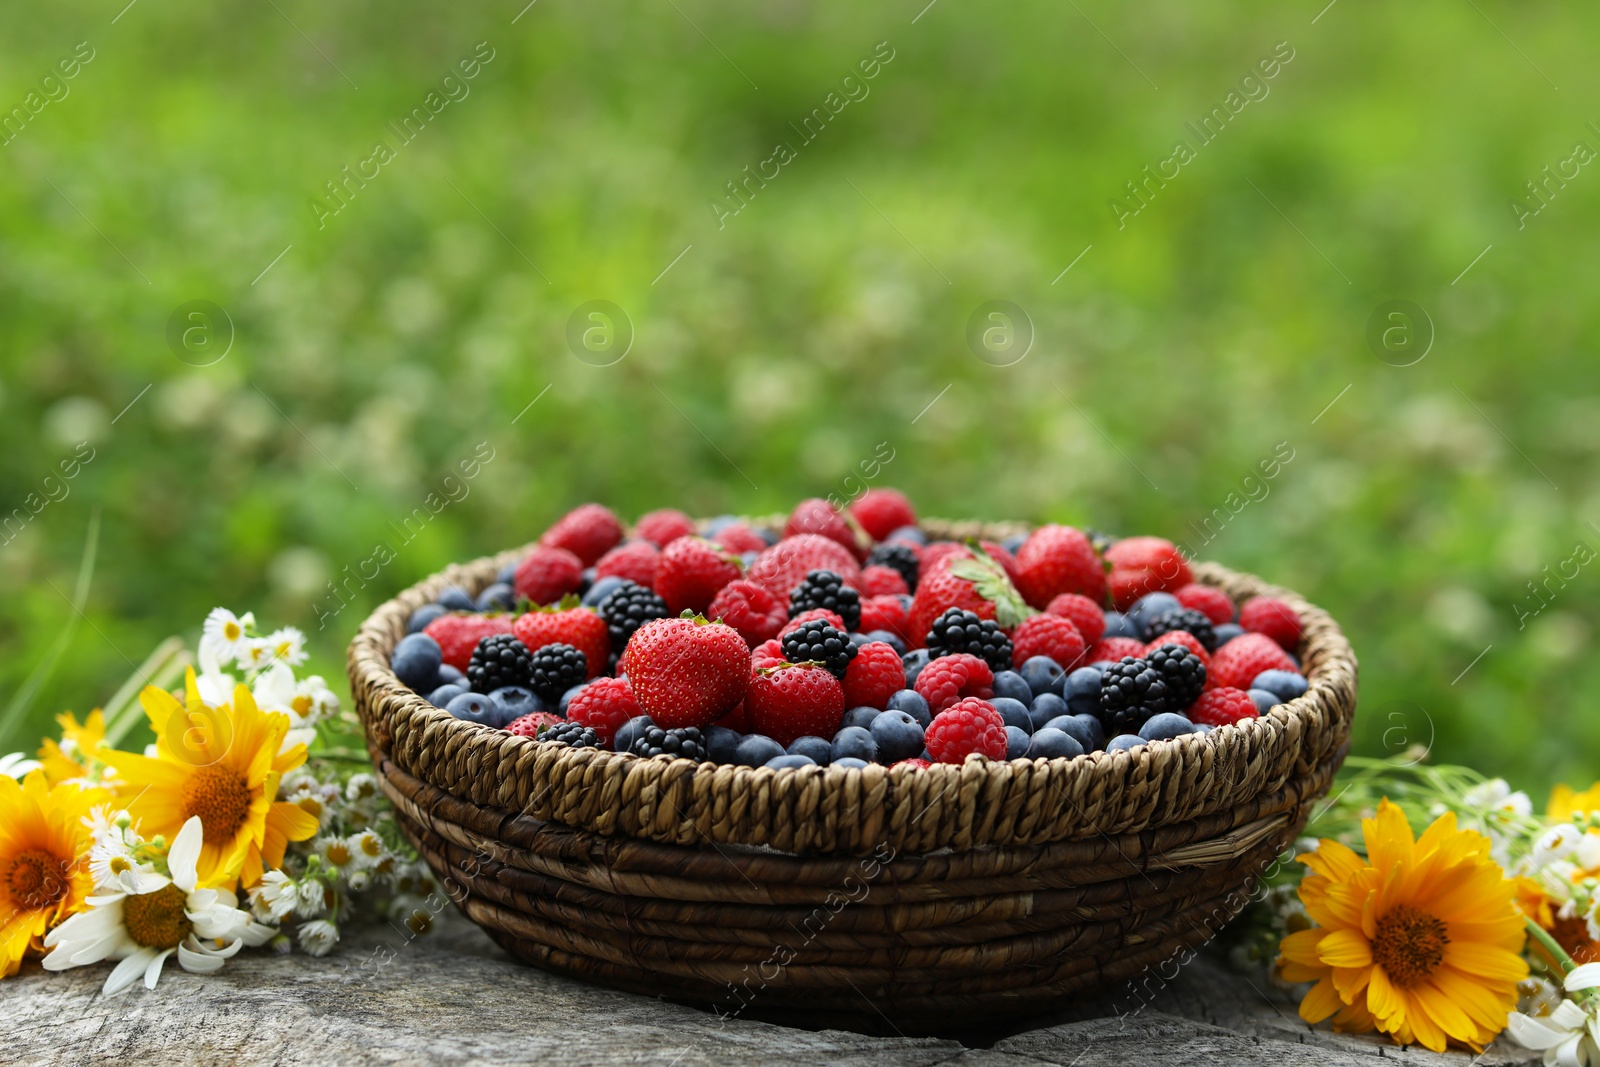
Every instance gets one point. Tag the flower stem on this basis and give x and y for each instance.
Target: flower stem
(1541, 935)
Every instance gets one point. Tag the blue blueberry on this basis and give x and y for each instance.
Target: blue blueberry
(586, 580)
(912, 703)
(1286, 684)
(850, 763)
(747, 558)
(1013, 685)
(756, 750)
(474, 707)
(515, 701)
(767, 534)
(1016, 743)
(1046, 706)
(442, 696)
(898, 736)
(890, 639)
(1227, 632)
(914, 662)
(448, 675)
(423, 616)
(1264, 700)
(416, 662)
(1013, 712)
(1148, 607)
(1044, 675)
(496, 597)
(1123, 742)
(1082, 691)
(721, 743)
(566, 698)
(455, 598)
(789, 762)
(816, 749)
(853, 742)
(1013, 543)
(508, 573)
(631, 731)
(858, 639)
(601, 589)
(720, 523)
(1085, 729)
(905, 601)
(1166, 725)
(1054, 744)
(861, 717)
(1102, 664)
(908, 533)
(1119, 625)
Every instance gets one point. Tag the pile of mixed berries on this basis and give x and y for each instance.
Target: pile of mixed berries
(847, 638)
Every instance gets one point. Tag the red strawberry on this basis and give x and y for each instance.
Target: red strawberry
(1223, 707)
(633, 560)
(786, 564)
(916, 761)
(817, 516)
(750, 609)
(1002, 556)
(604, 705)
(967, 726)
(1210, 601)
(766, 654)
(736, 720)
(568, 624)
(930, 556)
(530, 725)
(1047, 635)
(548, 574)
(691, 571)
(1112, 649)
(1189, 641)
(686, 672)
(950, 678)
(874, 675)
(1059, 559)
(794, 700)
(1238, 662)
(458, 635)
(1267, 615)
(976, 585)
(884, 613)
(883, 511)
(1084, 613)
(588, 532)
(810, 614)
(738, 538)
(881, 581)
(663, 527)
(1141, 565)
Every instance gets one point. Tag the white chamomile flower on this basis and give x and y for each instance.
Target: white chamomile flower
(1496, 795)
(1569, 1035)
(225, 635)
(336, 852)
(360, 880)
(115, 870)
(369, 848)
(318, 936)
(287, 645)
(311, 798)
(203, 926)
(16, 765)
(311, 899)
(256, 654)
(274, 690)
(361, 787)
(274, 896)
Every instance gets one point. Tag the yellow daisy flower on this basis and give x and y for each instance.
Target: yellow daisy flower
(1421, 939)
(222, 764)
(79, 746)
(1565, 803)
(44, 848)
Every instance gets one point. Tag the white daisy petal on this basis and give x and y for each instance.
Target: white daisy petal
(198, 962)
(184, 855)
(127, 972)
(152, 973)
(1585, 977)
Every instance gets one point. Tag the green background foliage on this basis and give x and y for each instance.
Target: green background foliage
(1187, 344)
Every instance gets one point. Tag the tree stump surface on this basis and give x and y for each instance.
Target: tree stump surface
(453, 997)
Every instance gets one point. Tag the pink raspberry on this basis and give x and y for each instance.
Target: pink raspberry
(1084, 613)
(1222, 707)
(663, 527)
(808, 615)
(633, 560)
(884, 613)
(1210, 601)
(950, 678)
(1112, 649)
(1047, 635)
(750, 609)
(967, 726)
(883, 511)
(737, 538)
(874, 675)
(1266, 615)
(881, 581)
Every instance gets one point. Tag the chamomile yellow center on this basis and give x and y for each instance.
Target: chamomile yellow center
(157, 920)
(37, 879)
(220, 796)
(301, 705)
(338, 853)
(1409, 945)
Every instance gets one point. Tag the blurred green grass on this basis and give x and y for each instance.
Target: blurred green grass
(822, 319)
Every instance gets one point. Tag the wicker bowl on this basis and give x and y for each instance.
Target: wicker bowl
(851, 898)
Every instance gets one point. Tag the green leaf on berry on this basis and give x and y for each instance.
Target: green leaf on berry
(992, 583)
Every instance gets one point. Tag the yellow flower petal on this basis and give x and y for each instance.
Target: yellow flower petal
(1345, 948)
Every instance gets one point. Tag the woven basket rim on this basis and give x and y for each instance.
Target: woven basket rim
(389, 709)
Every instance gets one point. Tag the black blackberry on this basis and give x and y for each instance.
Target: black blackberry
(683, 743)
(958, 630)
(1195, 622)
(1184, 673)
(825, 589)
(627, 608)
(571, 733)
(555, 669)
(1130, 692)
(900, 557)
(499, 660)
(818, 641)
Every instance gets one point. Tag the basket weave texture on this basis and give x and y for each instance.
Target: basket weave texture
(853, 897)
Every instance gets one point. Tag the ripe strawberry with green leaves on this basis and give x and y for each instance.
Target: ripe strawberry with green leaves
(686, 671)
(567, 623)
(974, 582)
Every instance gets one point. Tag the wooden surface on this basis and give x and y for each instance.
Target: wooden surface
(452, 997)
